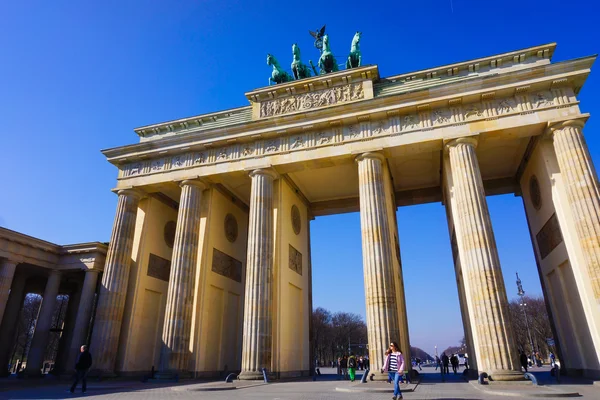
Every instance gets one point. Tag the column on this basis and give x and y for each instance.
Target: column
(7, 272)
(180, 296)
(83, 316)
(583, 193)
(380, 287)
(484, 285)
(9, 323)
(39, 342)
(256, 347)
(111, 301)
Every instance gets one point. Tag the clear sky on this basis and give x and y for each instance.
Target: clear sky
(77, 77)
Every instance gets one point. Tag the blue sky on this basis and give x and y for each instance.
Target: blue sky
(77, 77)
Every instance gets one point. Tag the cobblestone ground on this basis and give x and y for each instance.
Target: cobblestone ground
(431, 387)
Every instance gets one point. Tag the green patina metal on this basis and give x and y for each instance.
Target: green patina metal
(299, 70)
(327, 62)
(354, 58)
(278, 75)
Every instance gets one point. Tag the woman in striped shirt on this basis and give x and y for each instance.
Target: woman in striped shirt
(394, 365)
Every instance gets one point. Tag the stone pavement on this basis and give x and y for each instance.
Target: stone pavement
(429, 387)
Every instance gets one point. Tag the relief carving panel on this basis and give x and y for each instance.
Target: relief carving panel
(295, 260)
(227, 266)
(159, 267)
(549, 236)
(307, 101)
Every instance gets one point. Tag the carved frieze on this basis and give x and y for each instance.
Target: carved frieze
(395, 124)
(308, 101)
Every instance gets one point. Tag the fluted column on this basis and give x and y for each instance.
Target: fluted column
(39, 342)
(380, 288)
(83, 316)
(583, 193)
(111, 302)
(10, 320)
(485, 291)
(7, 272)
(257, 340)
(178, 314)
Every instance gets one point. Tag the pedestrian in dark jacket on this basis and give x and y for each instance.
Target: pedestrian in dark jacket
(84, 362)
(445, 362)
(523, 359)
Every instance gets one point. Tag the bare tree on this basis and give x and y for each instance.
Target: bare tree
(332, 333)
(538, 321)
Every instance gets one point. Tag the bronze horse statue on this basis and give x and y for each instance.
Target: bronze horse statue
(327, 62)
(299, 70)
(278, 75)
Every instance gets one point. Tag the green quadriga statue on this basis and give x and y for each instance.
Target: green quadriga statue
(299, 70)
(278, 75)
(354, 58)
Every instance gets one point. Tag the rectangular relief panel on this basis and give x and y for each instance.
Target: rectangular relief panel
(159, 267)
(549, 236)
(227, 266)
(295, 260)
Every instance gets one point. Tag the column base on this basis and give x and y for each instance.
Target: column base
(172, 375)
(251, 376)
(101, 374)
(506, 376)
(377, 376)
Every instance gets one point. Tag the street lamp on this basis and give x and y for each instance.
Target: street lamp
(521, 294)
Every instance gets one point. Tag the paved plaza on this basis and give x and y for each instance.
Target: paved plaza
(326, 387)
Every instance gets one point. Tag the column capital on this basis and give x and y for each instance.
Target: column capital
(54, 272)
(194, 182)
(469, 140)
(131, 192)
(7, 261)
(370, 155)
(558, 125)
(270, 172)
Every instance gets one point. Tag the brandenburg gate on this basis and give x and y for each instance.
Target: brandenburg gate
(209, 264)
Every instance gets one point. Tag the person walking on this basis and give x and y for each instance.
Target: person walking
(394, 366)
(352, 366)
(445, 362)
(344, 367)
(454, 362)
(523, 359)
(438, 363)
(418, 360)
(84, 362)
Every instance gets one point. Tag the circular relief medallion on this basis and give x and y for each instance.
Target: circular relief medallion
(169, 233)
(231, 228)
(534, 192)
(296, 221)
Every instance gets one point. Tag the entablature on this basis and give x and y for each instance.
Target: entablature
(530, 89)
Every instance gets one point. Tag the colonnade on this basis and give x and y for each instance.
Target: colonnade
(13, 287)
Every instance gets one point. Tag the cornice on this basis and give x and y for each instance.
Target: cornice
(563, 73)
(473, 65)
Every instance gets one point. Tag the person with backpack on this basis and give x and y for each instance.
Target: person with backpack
(352, 367)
